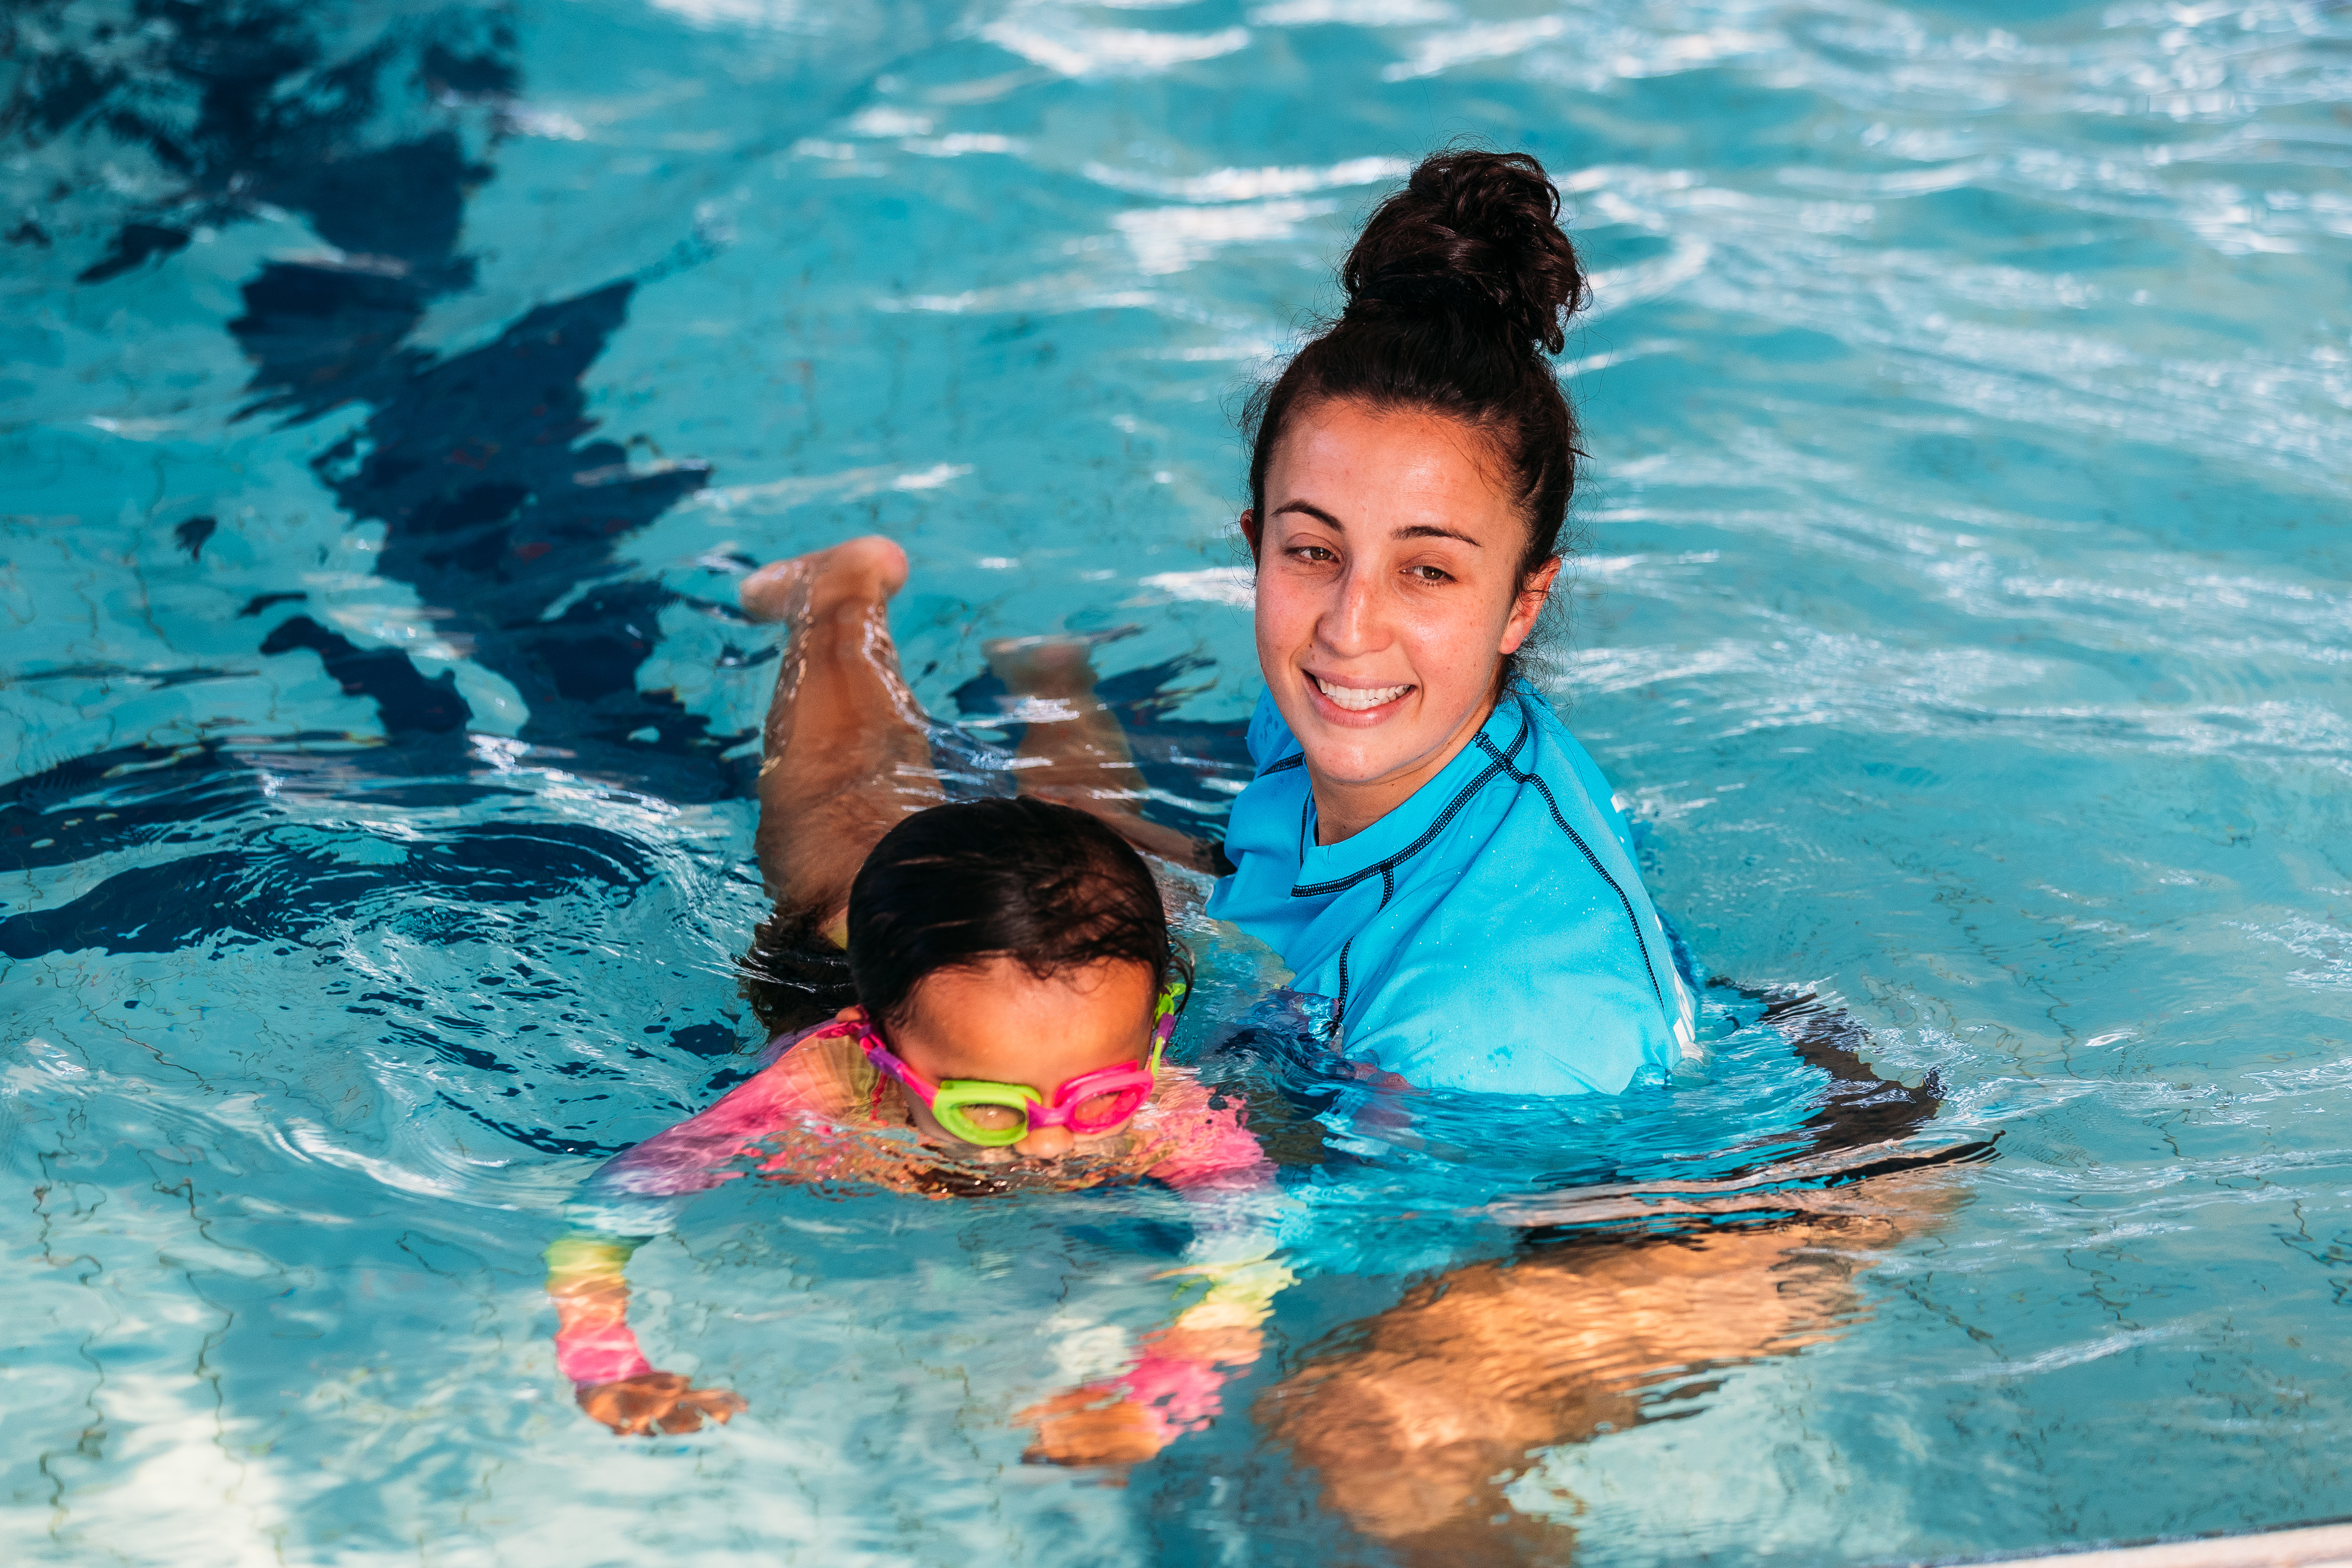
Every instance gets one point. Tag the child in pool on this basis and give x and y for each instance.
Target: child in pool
(1010, 986)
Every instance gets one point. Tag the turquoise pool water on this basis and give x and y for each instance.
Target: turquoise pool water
(391, 395)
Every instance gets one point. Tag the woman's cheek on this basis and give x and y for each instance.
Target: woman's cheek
(1453, 643)
(1281, 612)
(1436, 654)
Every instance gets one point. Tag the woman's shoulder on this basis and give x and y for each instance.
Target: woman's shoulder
(1263, 817)
(1547, 783)
(1269, 737)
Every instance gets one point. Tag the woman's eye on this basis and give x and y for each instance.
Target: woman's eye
(1429, 574)
(1313, 553)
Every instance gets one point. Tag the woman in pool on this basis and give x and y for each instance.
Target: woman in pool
(1424, 844)
(967, 997)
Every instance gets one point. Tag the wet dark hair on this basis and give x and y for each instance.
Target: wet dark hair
(1456, 291)
(1043, 884)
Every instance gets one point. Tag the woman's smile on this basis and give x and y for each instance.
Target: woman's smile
(1360, 703)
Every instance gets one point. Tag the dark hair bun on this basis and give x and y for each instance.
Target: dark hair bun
(1476, 230)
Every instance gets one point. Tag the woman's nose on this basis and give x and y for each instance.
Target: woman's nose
(1045, 1142)
(1346, 626)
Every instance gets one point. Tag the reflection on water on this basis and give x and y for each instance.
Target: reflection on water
(390, 396)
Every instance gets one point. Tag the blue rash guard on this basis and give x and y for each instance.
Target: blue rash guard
(1491, 934)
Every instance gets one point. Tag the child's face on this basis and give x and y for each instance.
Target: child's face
(997, 1021)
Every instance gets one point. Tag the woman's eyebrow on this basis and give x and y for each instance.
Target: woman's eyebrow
(1431, 531)
(1410, 530)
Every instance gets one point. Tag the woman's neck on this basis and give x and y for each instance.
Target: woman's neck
(1344, 808)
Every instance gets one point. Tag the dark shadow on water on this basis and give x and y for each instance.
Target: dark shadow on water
(538, 1044)
(500, 505)
(404, 700)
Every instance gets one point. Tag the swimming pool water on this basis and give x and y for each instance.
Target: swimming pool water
(391, 394)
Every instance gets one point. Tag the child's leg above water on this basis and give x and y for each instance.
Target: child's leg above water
(1073, 749)
(846, 754)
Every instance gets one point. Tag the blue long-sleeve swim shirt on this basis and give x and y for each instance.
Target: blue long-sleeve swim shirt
(1491, 934)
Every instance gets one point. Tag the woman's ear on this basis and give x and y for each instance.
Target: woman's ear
(1534, 592)
(1250, 531)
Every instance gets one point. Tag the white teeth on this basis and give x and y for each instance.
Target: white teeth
(1355, 699)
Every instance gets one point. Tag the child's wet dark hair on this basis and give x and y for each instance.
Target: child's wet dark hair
(1044, 885)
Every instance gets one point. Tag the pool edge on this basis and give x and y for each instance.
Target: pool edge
(2302, 1546)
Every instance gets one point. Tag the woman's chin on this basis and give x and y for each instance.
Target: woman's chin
(1356, 752)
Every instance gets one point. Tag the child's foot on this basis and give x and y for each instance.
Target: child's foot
(1054, 666)
(856, 571)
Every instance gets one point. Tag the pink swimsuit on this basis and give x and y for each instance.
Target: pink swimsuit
(817, 1112)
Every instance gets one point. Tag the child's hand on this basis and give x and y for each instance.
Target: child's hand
(1170, 1390)
(657, 1401)
(1080, 1428)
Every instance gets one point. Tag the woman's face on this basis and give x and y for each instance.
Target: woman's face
(997, 1021)
(1387, 592)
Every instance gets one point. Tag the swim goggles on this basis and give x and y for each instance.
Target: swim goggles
(995, 1114)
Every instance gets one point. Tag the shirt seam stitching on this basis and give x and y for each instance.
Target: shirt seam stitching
(1445, 817)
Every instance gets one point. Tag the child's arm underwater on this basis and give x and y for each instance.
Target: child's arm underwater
(594, 1348)
(1174, 1385)
(630, 1200)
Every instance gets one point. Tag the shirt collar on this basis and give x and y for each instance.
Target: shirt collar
(1387, 844)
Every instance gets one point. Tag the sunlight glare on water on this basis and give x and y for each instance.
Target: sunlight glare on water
(1961, 611)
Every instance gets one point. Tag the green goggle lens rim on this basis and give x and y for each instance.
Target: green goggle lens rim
(955, 1094)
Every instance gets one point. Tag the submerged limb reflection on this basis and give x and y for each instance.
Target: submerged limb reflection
(1416, 1429)
(1175, 1386)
